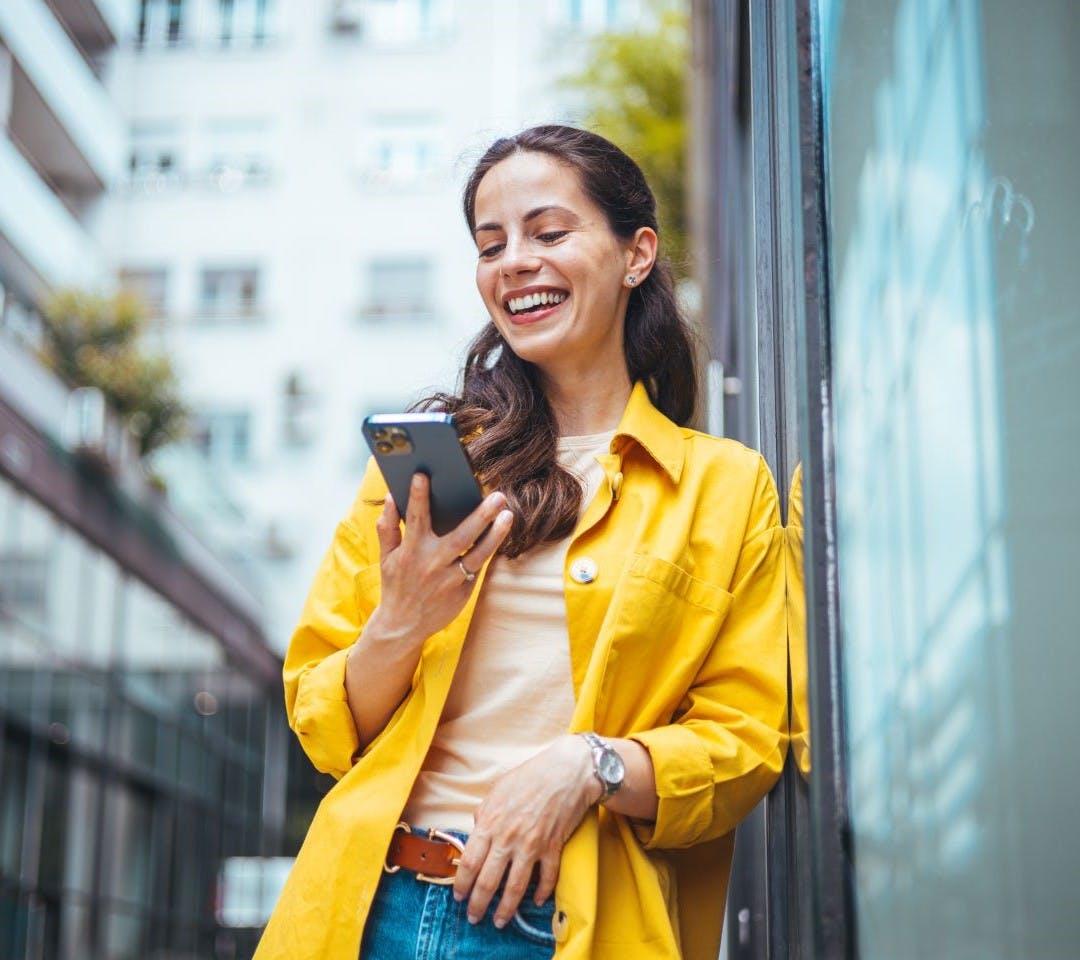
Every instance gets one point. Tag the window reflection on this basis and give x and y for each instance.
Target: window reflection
(951, 136)
(131, 753)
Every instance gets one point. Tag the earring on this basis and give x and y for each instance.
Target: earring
(631, 280)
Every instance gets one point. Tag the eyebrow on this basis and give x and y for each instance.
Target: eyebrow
(531, 215)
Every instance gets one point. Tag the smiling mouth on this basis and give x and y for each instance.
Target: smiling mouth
(534, 302)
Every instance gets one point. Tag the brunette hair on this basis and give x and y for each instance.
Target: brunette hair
(502, 408)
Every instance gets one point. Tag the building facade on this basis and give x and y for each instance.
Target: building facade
(293, 212)
(143, 742)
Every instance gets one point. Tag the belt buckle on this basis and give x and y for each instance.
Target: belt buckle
(454, 842)
(404, 828)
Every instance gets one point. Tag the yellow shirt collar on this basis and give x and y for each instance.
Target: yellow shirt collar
(655, 434)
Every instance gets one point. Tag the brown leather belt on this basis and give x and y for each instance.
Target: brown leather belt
(434, 858)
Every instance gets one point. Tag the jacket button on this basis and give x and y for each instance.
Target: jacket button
(560, 926)
(616, 485)
(583, 570)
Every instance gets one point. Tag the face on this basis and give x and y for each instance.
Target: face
(551, 271)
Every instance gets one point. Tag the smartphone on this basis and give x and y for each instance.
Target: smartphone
(428, 443)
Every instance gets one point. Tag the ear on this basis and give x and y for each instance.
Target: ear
(642, 253)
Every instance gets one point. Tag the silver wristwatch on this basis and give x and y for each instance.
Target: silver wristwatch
(607, 764)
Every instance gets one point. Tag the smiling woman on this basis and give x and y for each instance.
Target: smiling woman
(547, 723)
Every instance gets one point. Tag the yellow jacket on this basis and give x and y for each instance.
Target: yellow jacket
(679, 642)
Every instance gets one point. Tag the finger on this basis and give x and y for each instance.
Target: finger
(514, 889)
(549, 876)
(466, 533)
(476, 848)
(418, 512)
(487, 882)
(388, 527)
(490, 541)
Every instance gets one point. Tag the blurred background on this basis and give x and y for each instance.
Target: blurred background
(231, 229)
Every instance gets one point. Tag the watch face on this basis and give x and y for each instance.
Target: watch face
(611, 767)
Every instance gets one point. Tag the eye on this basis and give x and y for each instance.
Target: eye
(552, 236)
(489, 253)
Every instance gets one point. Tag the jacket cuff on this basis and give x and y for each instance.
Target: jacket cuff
(684, 785)
(322, 718)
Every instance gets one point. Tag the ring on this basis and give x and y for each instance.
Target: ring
(469, 575)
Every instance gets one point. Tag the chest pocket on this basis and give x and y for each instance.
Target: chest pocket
(664, 623)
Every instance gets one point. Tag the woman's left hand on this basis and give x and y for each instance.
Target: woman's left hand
(526, 820)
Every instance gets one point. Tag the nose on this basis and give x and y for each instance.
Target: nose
(518, 258)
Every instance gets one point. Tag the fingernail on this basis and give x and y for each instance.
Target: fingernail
(458, 897)
(506, 516)
(500, 922)
(473, 919)
(389, 500)
(416, 481)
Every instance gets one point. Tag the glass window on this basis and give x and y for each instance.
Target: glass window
(229, 293)
(394, 23)
(238, 153)
(950, 149)
(154, 161)
(400, 290)
(151, 284)
(401, 151)
(596, 15)
(223, 436)
(13, 773)
(242, 22)
(162, 22)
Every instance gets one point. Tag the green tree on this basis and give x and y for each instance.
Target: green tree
(94, 341)
(634, 90)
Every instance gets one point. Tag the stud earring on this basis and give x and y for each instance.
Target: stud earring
(631, 280)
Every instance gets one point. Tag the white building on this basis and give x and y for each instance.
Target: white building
(62, 148)
(293, 212)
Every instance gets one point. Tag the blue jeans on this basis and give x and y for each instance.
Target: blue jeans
(411, 918)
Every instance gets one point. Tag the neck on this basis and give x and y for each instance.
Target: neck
(588, 403)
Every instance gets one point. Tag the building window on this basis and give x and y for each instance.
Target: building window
(24, 577)
(151, 285)
(162, 23)
(223, 436)
(238, 154)
(242, 22)
(298, 408)
(400, 291)
(154, 162)
(229, 293)
(396, 23)
(597, 15)
(402, 152)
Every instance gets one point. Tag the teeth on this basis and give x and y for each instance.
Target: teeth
(517, 304)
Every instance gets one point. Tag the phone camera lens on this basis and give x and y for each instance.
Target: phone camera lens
(384, 446)
(380, 433)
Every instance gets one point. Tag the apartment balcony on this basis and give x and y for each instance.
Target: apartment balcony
(60, 112)
(41, 242)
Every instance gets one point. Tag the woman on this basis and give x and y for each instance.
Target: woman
(546, 724)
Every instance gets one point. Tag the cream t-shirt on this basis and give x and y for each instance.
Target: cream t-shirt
(513, 691)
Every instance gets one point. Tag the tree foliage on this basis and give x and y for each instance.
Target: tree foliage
(94, 341)
(634, 88)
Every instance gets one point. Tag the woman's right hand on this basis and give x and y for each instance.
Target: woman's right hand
(423, 589)
(423, 586)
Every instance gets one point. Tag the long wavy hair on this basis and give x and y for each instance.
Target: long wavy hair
(502, 407)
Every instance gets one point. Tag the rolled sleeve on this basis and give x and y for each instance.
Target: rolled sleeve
(684, 786)
(341, 598)
(321, 717)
